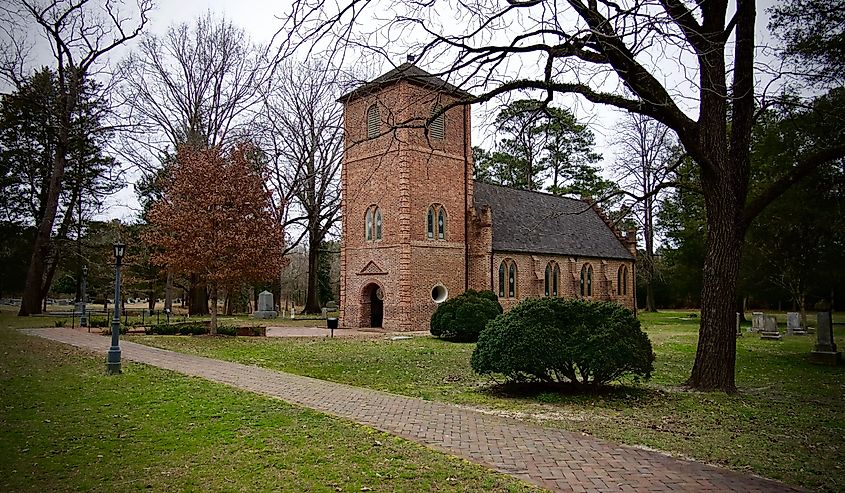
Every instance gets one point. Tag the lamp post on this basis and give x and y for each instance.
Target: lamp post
(113, 358)
(83, 318)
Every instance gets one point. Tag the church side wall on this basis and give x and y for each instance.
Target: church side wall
(531, 277)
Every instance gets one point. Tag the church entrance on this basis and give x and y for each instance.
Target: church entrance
(372, 306)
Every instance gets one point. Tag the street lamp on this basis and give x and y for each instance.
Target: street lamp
(113, 358)
(83, 319)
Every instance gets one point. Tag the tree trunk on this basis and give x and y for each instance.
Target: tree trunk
(312, 302)
(198, 297)
(715, 358)
(213, 329)
(650, 305)
(168, 291)
(32, 294)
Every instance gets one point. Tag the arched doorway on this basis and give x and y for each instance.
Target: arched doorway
(372, 306)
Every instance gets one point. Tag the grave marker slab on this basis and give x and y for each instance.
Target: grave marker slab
(793, 324)
(770, 328)
(757, 321)
(825, 352)
(265, 306)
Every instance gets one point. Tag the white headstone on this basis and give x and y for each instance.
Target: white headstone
(770, 328)
(793, 324)
(757, 321)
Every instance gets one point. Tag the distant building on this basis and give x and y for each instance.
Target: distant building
(417, 229)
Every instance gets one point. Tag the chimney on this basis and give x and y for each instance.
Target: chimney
(411, 59)
(631, 239)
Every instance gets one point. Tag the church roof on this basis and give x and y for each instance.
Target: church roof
(407, 72)
(536, 222)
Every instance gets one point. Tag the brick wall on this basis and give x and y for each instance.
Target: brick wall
(403, 172)
(531, 271)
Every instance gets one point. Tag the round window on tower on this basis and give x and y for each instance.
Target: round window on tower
(439, 293)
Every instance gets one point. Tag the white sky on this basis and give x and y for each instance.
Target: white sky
(262, 18)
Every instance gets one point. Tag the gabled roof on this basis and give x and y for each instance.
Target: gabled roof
(407, 72)
(536, 222)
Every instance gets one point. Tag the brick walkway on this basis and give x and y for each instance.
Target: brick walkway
(552, 458)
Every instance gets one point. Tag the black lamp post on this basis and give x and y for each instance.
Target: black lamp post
(83, 319)
(113, 358)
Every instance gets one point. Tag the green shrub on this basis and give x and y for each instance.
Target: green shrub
(557, 340)
(463, 317)
(227, 330)
(161, 330)
(193, 329)
(59, 323)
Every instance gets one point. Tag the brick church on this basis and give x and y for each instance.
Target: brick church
(417, 229)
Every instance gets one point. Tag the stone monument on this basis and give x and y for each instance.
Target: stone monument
(757, 321)
(793, 324)
(770, 328)
(825, 352)
(265, 306)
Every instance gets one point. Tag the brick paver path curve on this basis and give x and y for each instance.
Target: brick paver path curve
(552, 458)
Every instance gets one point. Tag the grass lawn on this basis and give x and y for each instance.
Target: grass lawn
(787, 422)
(66, 426)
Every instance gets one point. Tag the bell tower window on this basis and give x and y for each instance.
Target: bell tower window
(373, 121)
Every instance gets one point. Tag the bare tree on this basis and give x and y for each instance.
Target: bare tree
(80, 34)
(644, 163)
(198, 84)
(688, 65)
(303, 136)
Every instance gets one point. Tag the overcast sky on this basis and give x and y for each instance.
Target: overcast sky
(261, 19)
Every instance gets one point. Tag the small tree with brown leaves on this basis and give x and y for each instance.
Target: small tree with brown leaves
(215, 219)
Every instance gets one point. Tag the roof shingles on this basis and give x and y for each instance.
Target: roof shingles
(535, 222)
(408, 72)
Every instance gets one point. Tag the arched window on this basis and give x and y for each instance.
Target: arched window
(552, 277)
(373, 121)
(441, 224)
(436, 229)
(438, 125)
(372, 223)
(507, 289)
(586, 281)
(622, 281)
(512, 280)
(548, 278)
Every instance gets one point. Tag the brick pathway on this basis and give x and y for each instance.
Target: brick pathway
(552, 458)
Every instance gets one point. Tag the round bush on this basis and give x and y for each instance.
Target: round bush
(463, 317)
(557, 340)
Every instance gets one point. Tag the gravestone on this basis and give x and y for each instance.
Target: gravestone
(265, 306)
(793, 324)
(331, 306)
(757, 321)
(770, 328)
(738, 330)
(825, 352)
